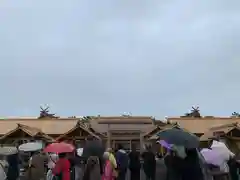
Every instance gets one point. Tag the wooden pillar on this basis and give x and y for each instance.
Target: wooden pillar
(114, 145)
(108, 137)
(141, 142)
(130, 144)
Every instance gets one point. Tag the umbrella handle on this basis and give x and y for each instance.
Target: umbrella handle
(51, 159)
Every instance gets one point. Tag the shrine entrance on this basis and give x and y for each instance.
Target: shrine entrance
(127, 139)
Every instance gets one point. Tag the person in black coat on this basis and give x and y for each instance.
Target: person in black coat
(77, 166)
(192, 164)
(13, 167)
(134, 164)
(149, 163)
(233, 168)
(183, 169)
(173, 165)
(94, 147)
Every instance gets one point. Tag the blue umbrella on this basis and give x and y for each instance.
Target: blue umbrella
(179, 137)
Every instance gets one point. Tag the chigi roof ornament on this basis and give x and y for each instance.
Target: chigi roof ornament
(44, 113)
(236, 114)
(125, 114)
(195, 113)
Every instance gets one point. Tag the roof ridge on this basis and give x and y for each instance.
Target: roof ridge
(116, 117)
(229, 125)
(28, 127)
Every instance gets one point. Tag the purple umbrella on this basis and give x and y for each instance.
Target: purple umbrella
(165, 144)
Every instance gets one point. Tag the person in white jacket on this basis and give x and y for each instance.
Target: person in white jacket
(221, 148)
(218, 154)
(52, 159)
(3, 175)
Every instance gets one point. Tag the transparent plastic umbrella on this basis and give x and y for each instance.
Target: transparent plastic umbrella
(8, 150)
(30, 147)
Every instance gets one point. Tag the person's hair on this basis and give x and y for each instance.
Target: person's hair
(159, 155)
(172, 153)
(191, 152)
(133, 148)
(148, 147)
(109, 150)
(62, 155)
(120, 146)
(106, 155)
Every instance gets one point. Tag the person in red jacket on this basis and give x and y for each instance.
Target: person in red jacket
(62, 168)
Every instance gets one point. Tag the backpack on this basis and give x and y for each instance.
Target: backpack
(57, 177)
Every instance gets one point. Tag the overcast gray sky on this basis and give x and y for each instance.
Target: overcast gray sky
(147, 57)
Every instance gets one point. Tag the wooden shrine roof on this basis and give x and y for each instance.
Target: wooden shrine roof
(84, 127)
(124, 119)
(31, 131)
(226, 128)
(201, 125)
(47, 126)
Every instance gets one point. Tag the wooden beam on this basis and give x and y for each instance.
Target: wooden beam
(75, 137)
(125, 138)
(125, 122)
(233, 138)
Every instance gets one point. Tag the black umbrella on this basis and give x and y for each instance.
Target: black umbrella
(179, 137)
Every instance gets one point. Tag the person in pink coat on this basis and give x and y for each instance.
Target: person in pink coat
(108, 168)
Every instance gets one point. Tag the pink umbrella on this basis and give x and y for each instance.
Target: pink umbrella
(61, 147)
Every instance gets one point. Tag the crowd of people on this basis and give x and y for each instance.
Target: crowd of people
(181, 164)
(112, 165)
